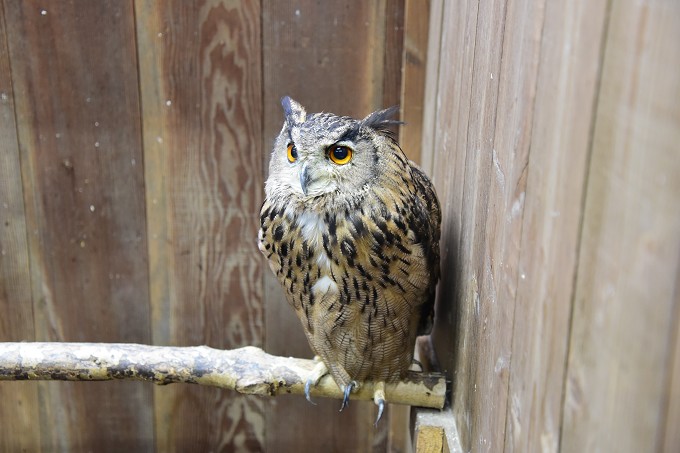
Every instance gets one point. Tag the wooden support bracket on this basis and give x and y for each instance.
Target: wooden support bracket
(435, 431)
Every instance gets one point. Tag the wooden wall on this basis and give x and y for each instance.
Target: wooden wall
(134, 142)
(552, 131)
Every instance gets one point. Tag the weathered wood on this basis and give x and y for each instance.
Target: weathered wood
(444, 147)
(391, 39)
(474, 338)
(433, 109)
(669, 435)
(413, 67)
(16, 306)
(247, 370)
(20, 407)
(556, 127)
(625, 309)
(200, 81)
(74, 74)
(439, 426)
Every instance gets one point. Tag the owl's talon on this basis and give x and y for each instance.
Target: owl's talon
(319, 371)
(381, 408)
(308, 386)
(348, 389)
(417, 362)
(379, 399)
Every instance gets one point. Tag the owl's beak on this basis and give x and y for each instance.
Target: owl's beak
(304, 178)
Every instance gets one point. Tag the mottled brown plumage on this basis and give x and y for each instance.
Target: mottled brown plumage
(354, 244)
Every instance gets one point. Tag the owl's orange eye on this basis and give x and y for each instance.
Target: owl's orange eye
(292, 153)
(340, 154)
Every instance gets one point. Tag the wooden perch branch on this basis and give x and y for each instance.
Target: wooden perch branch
(247, 370)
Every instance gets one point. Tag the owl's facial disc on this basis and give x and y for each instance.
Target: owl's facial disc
(315, 180)
(324, 168)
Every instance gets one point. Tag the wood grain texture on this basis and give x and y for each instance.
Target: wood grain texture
(16, 324)
(392, 39)
(561, 111)
(338, 57)
(73, 67)
(19, 409)
(448, 96)
(413, 68)
(477, 239)
(623, 325)
(444, 138)
(513, 235)
(668, 433)
(200, 72)
(431, 103)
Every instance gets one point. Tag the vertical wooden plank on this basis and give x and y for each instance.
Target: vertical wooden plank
(16, 324)
(414, 63)
(75, 90)
(432, 107)
(556, 171)
(500, 111)
(472, 337)
(200, 72)
(338, 57)
(19, 409)
(505, 185)
(622, 329)
(444, 151)
(669, 434)
(392, 37)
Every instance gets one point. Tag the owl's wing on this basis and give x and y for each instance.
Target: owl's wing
(429, 231)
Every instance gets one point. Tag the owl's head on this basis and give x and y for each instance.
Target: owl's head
(320, 153)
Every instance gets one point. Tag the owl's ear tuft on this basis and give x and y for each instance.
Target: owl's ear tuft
(381, 121)
(295, 113)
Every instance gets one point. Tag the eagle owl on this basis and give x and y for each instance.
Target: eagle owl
(351, 227)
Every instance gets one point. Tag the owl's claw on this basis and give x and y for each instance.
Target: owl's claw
(308, 386)
(381, 408)
(379, 399)
(319, 371)
(348, 389)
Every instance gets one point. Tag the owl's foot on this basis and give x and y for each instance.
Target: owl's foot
(417, 362)
(379, 399)
(319, 371)
(348, 389)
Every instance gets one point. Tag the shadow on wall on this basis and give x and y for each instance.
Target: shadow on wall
(448, 329)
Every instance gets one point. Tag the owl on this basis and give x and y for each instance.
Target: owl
(351, 229)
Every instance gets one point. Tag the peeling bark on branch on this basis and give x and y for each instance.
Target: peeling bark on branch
(247, 370)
